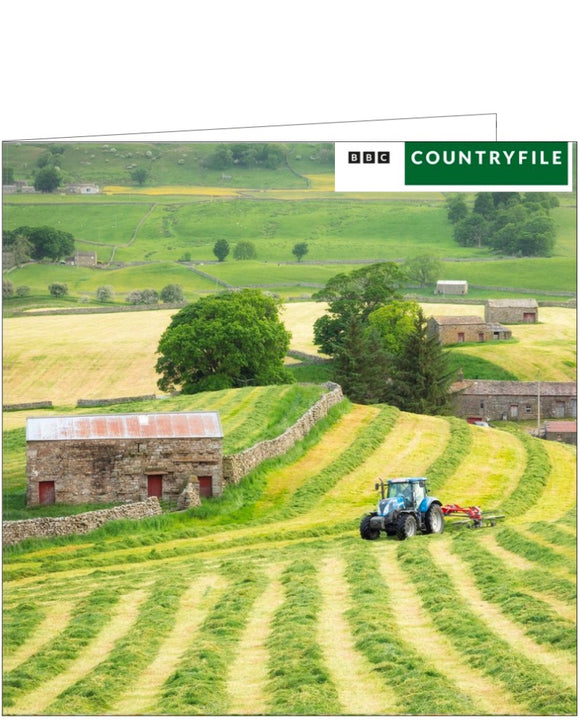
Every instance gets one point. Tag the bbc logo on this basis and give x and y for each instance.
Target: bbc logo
(369, 157)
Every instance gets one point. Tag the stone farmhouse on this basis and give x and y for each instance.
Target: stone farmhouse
(451, 287)
(455, 329)
(85, 259)
(122, 458)
(511, 311)
(513, 400)
(560, 430)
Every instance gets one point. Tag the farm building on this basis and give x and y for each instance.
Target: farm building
(560, 430)
(455, 329)
(451, 287)
(85, 259)
(83, 189)
(513, 400)
(511, 311)
(122, 458)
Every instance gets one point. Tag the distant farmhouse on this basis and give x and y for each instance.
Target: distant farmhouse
(451, 287)
(453, 329)
(83, 189)
(122, 458)
(511, 311)
(85, 259)
(513, 400)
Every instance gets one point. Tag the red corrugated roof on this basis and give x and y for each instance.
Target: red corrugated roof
(200, 424)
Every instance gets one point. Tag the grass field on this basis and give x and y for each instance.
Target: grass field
(64, 358)
(271, 603)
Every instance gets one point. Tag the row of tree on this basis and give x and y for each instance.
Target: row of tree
(246, 155)
(247, 250)
(508, 222)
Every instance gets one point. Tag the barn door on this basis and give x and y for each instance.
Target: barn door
(513, 412)
(46, 495)
(529, 316)
(204, 486)
(154, 485)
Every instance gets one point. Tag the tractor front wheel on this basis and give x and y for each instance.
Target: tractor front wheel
(406, 526)
(365, 528)
(434, 521)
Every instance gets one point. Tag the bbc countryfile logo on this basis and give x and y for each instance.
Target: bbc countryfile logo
(453, 166)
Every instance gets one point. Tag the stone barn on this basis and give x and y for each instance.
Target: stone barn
(511, 311)
(456, 329)
(513, 400)
(122, 458)
(451, 287)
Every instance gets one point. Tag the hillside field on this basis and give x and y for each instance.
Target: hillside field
(66, 357)
(269, 602)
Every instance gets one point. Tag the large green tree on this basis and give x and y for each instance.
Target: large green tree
(393, 323)
(421, 375)
(423, 269)
(229, 340)
(357, 293)
(47, 179)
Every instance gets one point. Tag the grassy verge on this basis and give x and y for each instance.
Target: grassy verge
(529, 683)
(299, 683)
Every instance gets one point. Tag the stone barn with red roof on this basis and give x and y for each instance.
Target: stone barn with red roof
(122, 458)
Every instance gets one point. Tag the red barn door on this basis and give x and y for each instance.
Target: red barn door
(154, 485)
(46, 495)
(204, 486)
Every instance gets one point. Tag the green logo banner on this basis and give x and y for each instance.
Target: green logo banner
(483, 164)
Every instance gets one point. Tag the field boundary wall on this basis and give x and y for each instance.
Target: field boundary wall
(238, 465)
(15, 531)
(27, 406)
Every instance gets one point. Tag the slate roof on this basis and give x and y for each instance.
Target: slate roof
(561, 426)
(512, 303)
(514, 388)
(130, 426)
(459, 320)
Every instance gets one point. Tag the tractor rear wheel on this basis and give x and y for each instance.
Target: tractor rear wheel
(434, 521)
(365, 528)
(406, 526)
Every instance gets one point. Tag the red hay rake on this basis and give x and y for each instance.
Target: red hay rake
(472, 517)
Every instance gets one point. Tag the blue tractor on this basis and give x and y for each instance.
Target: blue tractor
(405, 510)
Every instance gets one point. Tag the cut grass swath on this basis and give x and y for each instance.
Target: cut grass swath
(554, 535)
(533, 480)
(456, 451)
(497, 585)
(528, 682)
(95, 693)
(88, 618)
(198, 686)
(520, 544)
(18, 623)
(418, 687)
(299, 683)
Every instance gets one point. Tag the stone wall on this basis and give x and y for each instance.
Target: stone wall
(108, 471)
(238, 465)
(16, 531)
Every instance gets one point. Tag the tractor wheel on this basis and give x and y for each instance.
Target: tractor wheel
(365, 528)
(406, 526)
(434, 521)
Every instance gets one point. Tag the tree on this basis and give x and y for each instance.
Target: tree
(221, 249)
(172, 293)
(105, 293)
(423, 269)
(355, 293)
(245, 250)
(134, 297)
(58, 289)
(50, 243)
(393, 323)
(232, 339)
(47, 179)
(473, 231)
(7, 175)
(300, 250)
(421, 375)
(7, 288)
(484, 205)
(456, 208)
(139, 175)
(149, 297)
(361, 365)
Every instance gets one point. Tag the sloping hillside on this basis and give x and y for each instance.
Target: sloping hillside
(269, 602)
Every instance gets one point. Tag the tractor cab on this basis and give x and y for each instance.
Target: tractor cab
(407, 492)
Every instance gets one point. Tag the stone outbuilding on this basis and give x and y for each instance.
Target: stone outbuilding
(513, 400)
(451, 287)
(454, 329)
(511, 311)
(122, 458)
(560, 430)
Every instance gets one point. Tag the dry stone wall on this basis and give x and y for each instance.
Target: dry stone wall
(16, 531)
(238, 465)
